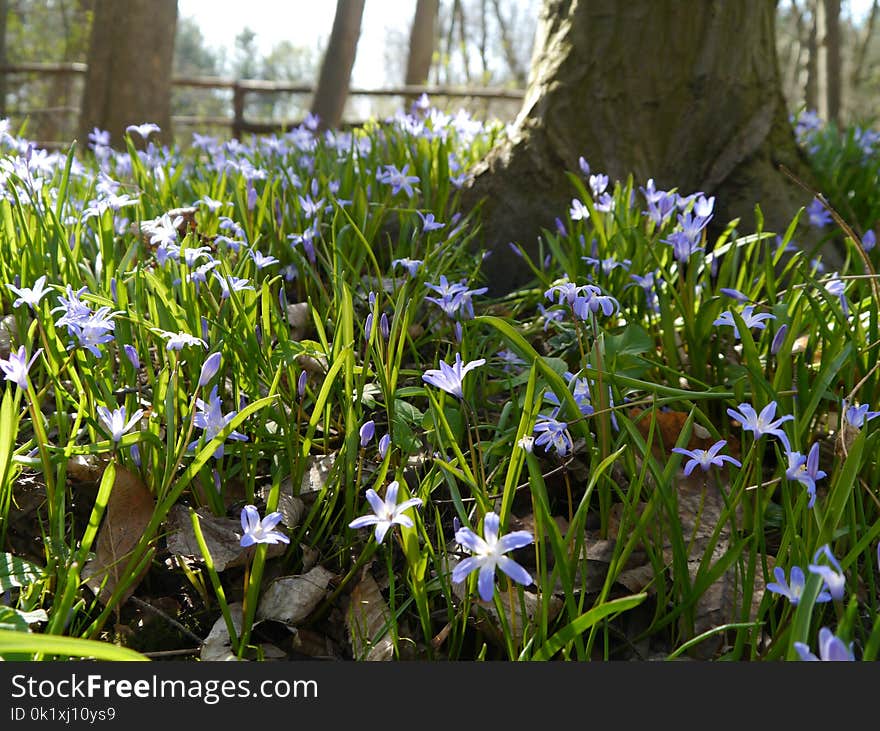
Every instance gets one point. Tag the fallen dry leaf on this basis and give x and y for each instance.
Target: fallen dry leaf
(222, 537)
(300, 320)
(290, 506)
(367, 619)
(129, 510)
(86, 467)
(316, 475)
(290, 599)
(218, 644)
(668, 427)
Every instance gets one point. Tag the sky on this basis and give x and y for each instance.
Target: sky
(304, 23)
(308, 23)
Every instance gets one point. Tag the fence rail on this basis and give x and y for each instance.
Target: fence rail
(240, 88)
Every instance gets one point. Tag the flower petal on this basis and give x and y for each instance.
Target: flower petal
(250, 518)
(470, 540)
(382, 527)
(486, 582)
(463, 568)
(363, 521)
(376, 503)
(514, 570)
(490, 527)
(515, 539)
(391, 494)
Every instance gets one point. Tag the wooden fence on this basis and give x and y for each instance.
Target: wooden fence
(238, 124)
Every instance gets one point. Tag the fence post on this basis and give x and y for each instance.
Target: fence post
(237, 110)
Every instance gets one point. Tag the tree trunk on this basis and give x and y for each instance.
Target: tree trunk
(4, 9)
(832, 60)
(333, 82)
(129, 75)
(811, 90)
(688, 94)
(421, 42)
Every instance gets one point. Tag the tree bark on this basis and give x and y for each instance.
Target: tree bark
(4, 9)
(811, 90)
(129, 76)
(335, 77)
(688, 94)
(858, 65)
(421, 42)
(833, 60)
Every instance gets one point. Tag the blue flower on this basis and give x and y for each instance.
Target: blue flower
(455, 298)
(74, 309)
(836, 286)
(114, 421)
(834, 580)
(749, 318)
(143, 130)
(857, 415)
(386, 512)
(449, 378)
(30, 296)
(488, 554)
(260, 531)
(818, 214)
(229, 284)
(578, 211)
(806, 470)
(778, 339)
(705, 458)
(411, 265)
(212, 421)
(763, 423)
(734, 294)
(398, 179)
(93, 331)
(565, 292)
(367, 431)
(580, 390)
(17, 367)
(180, 340)
(831, 649)
(132, 355)
(384, 443)
(554, 434)
(591, 300)
(795, 589)
(209, 368)
(428, 222)
(261, 261)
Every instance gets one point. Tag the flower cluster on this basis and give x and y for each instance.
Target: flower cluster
(488, 554)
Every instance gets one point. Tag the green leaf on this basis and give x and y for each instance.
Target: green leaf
(12, 642)
(634, 340)
(16, 572)
(580, 625)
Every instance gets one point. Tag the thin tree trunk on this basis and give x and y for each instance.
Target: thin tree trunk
(811, 90)
(859, 65)
(484, 37)
(833, 60)
(421, 42)
(4, 9)
(707, 114)
(821, 61)
(458, 10)
(507, 47)
(333, 83)
(129, 76)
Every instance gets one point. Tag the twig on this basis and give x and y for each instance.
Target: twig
(173, 622)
